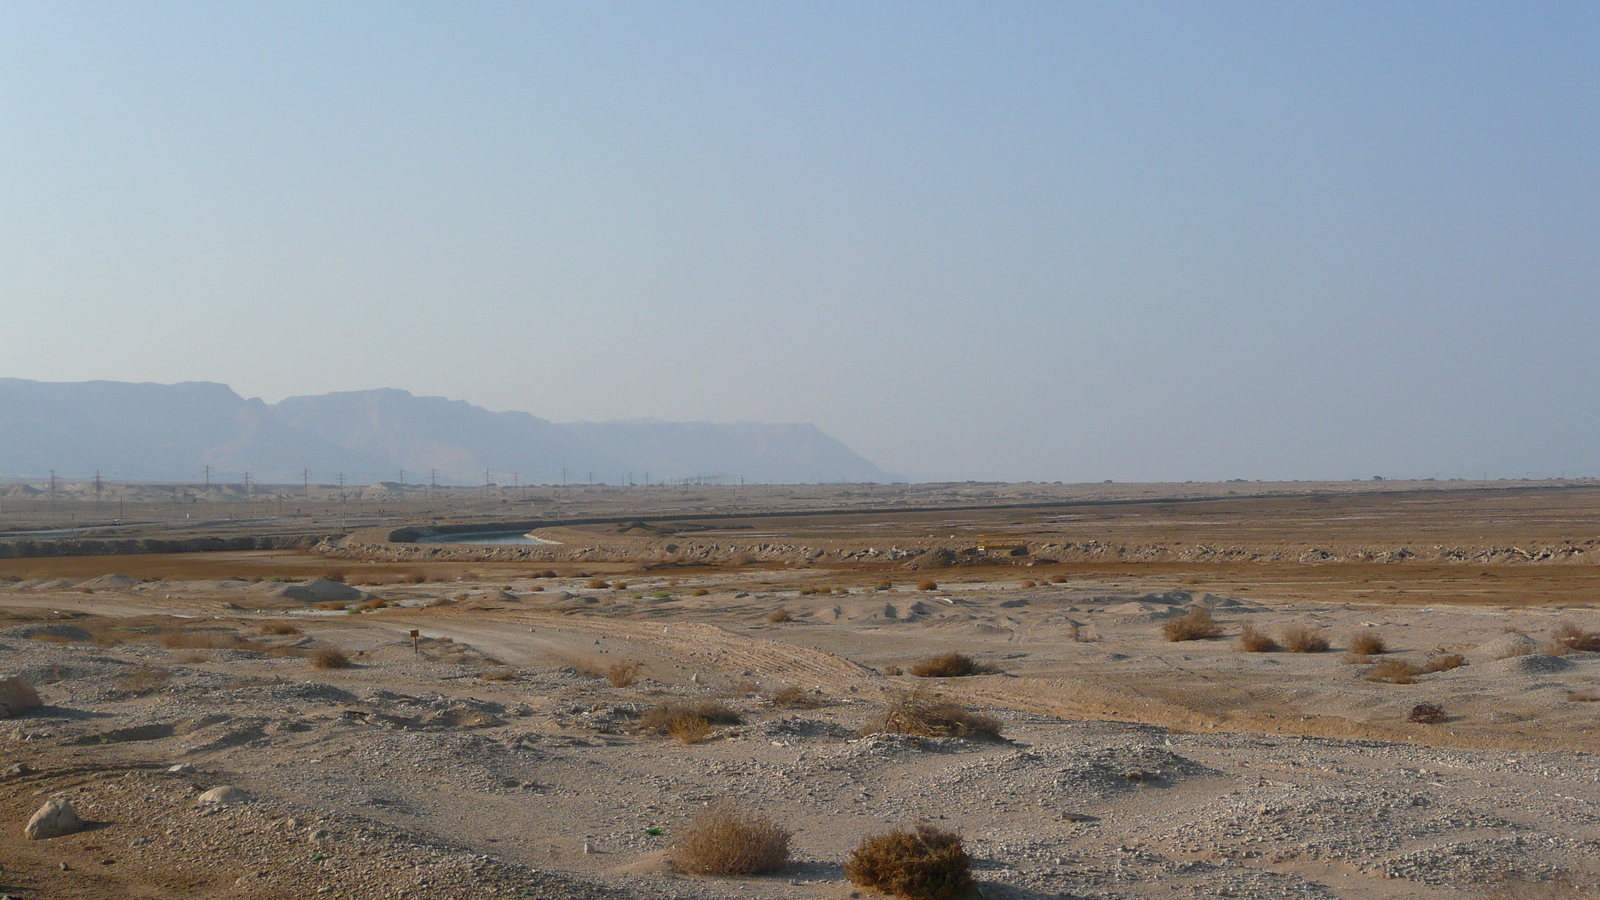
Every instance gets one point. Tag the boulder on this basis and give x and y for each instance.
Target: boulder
(224, 795)
(320, 590)
(54, 819)
(17, 697)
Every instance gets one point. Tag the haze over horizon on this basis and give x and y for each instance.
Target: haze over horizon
(990, 242)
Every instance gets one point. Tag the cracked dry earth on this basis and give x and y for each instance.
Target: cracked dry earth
(496, 763)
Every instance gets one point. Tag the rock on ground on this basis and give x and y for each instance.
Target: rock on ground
(17, 697)
(54, 819)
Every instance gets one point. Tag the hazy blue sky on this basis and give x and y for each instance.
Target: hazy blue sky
(989, 241)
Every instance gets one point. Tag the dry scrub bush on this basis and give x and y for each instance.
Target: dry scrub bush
(1583, 696)
(1367, 643)
(1426, 714)
(721, 840)
(1443, 662)
(795, 697)
(779, 616)
(1572, 637)
(189, 657)
(17, 696)
(893, 670)
(1028, 583)
(279, 628)
(689, 723)
(499, 673)
(918, 715)
(1303, 640)
(1058, 579)
(417, 577)
(334, 575)
(1253, 641)
(598, 584)
(144, 679)
(374, 603)
(1393, 671)
(619, 585)
(885, 586)
(927, 584)
(329, 658)
(699, 592)
(623, 674)
(1195, 625)
(331, 605)
(925, 864)
(45, 637)
(951, 665)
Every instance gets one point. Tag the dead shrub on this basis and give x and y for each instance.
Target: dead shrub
(334, 575)
(1426, 714)
(699, 592)
(927, 584)
(1443, 662)
(1572, 637)
(144, 679)
(535, 588)
(741, 559)
(329, 658)
(893, 670)
(279, 628)
(1058, 579)
(374, 603)
(331, 605)
(416, 577)
(45, 637)
(619, 585)
(885, 586)
(1393, 671)
(1195, 625)
(598, 584)
(779, 616)
(686, 729)
(687, 722)
(1584, 696)
(1367, 643)
(919, 715)
(924, 864)
(721, 840)
(189, 657)
(499, 673)
(795, 697)
(951, 665)
(1253, 641)
(623, 674)
(1303, 640)
(1028, 583)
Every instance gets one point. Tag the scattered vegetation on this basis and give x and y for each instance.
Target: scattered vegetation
(144, 679)
(721, 840)
(1572, 637)
(893, 670)
(279, 628)
(1393, 671)
(1426, 714)
(374, 603)
(885, 586)
(795, 697)
(598, 584)
(1584, 696)
(951, 665)
(779, 616)
(332, 605)
(1443, 662)
(699, 592)
(927, 584)
(1195, 625)
(416, 577)
(1367, 643)
(1253, 641)
(1058, 579)
(919, 715)
(1300, 639)
(924, 864)
(499, 673)
(1028, 583)
(623, 674)
(329, 658)
(688, 723)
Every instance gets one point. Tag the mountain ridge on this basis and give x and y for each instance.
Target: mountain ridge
(151, 431)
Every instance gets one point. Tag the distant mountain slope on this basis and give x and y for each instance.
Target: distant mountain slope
(154, 432)
(171, 432)
(756, 452)
(463, 442)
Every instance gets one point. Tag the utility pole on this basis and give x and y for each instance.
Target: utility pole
(433, 483)
(208, 478)
(97, 486)
(306, 476)
(52, 487)
(247, 487)
(402, 477)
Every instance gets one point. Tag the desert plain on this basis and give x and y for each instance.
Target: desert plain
(402, 717)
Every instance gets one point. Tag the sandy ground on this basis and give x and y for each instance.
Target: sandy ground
(494, 760)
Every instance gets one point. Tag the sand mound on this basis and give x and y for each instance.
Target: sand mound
(1514, 644)
(319, 590)
(1528, 664)
(110, 583)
